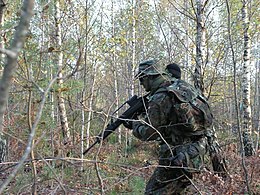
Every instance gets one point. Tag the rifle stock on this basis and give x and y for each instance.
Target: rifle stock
(136, 106)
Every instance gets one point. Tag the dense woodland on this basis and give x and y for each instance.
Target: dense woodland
(67, 65)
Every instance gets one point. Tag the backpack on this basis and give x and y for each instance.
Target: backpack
(192, 110)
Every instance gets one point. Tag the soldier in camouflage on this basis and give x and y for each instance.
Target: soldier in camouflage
(181, 151)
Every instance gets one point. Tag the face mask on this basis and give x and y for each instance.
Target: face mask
(145, 81)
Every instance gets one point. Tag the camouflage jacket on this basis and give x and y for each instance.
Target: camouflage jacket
(156, 124)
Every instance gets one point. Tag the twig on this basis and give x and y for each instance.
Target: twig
(235, 96)
(62, 187)
(193, 184)
(9, 53)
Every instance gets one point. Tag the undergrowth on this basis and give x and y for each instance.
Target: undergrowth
(119, 171)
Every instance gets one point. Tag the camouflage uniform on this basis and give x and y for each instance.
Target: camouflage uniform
(181, 152)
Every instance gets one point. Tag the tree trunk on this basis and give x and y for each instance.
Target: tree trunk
(257, 103)
(30, 115)
(246, 112)
(187, 45)
(2, 9)
(115, 73)
(235, 94)
(91, 99)
(2, 139)
(200, 45)
(128, 136)
(59, 61)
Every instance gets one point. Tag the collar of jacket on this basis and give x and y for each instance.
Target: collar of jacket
(160, 82)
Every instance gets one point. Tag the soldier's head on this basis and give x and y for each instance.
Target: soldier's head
(150, 74)
(174, 70)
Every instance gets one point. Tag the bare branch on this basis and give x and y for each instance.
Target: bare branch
(9, 53)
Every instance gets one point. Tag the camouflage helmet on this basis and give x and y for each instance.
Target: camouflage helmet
(149, 67)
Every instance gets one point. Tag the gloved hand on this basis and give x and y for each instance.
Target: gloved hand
(178, 160)
(128, 124)
(136, 125)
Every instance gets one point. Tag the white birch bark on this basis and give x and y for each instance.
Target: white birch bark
(257, 103)
(2, 9)
(93, 79)
(2, 139)
(133, 44)
(246, 112)
(59, 61)
(91, 100)
(187, 42)
(200, 45)
(132, 92)
(115, 74)
(82, 132)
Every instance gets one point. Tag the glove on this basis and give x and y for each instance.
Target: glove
(128, 124)
(136, 125)
(178, 160)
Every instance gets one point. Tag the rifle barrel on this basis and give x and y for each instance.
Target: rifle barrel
(135, 105)
(86, 151)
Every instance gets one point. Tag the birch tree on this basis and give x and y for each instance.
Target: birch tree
(258, 107)
(59, 63)
(246, 107)
(114, 68)
(134, 17)
(2, 9)
(84, 89)
(2, 139)
(256, 121)
(200, 44)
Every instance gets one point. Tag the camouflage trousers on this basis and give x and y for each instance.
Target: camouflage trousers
(170, 178)
(167, 181)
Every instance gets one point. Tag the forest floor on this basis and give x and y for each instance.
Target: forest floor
(113, 171)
